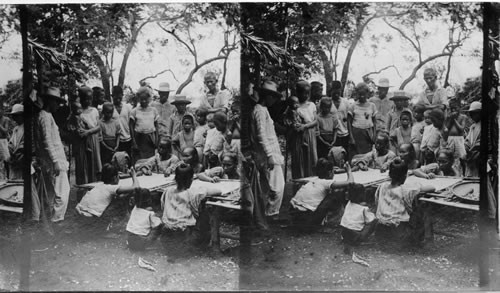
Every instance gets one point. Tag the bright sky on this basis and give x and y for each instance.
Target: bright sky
(365, 59)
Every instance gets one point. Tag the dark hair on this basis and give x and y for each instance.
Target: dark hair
(447, 152)
(411, 151)
(419, 108)
(142, 198)
(398, 170)
(233, 156)
(97, 88)
(324, 101)
(336, 85)
(188, 116)
(384, 135)
(108, 105)
(184, 176)
(221, 117)
(323, 168)
(213, 160)
(108, 173)
(194, 153)
(357, 193)
(202, 111)
(117, 90)
(437, 114)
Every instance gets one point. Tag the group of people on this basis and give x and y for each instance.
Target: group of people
(113, 139)
(433, 136)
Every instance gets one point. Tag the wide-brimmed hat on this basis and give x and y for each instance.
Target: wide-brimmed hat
(178, 99)
(383, 82)
(475, 106)
(164, 87)
(269, 87)
(17, 109)
(400, 95)
(54, 93)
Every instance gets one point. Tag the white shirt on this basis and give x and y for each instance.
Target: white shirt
(124, 117)
(310, 195)
(95, 201)
(356, 216)
(142, 221)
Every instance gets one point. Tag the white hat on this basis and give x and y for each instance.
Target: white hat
(475, 106)
(164, 87)
(17, 109)
(383, 82)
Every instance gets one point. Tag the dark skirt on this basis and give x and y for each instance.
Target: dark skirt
(146, 145)
(363, 139)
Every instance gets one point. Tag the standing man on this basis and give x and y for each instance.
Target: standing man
(434, 96)
(164, 108)
(121, 113)
(383, 104)
(51, 156)
(215, 99)
(267, 155)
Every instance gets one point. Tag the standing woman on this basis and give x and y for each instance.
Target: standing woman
(304, 158)
(90, 116)
(144, 126)
(362, 118)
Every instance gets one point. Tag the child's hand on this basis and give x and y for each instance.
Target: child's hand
(215, 179)
(132, 172)
(383, 169)
(430, 176)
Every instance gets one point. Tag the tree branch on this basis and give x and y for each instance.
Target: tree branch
(403, 34)
(382, 69)
(158, 74)
(172, 32)
(420, 65)
(197, 67)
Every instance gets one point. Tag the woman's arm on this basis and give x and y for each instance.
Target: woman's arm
(124, 190)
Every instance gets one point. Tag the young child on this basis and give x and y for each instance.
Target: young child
(229, 170)
(210, 120)
(200, 133)
(362, 119)
(455, 123)
(327, 125)
(121, 161)
(473, 141)
(337, 156)
(185, 137)
(180, 206)
(95, 201)
(110, 133)
(402, 134)
(357, 222)
(143, 126)
(418, 128)
(215, 137)
(400, 99)
(143, 226)
(234, 121)
(408, 155)
(380, 157)
(162, 160)
(434, 136)
(314, 200)
(443, 167)
(395, 202)
(174, 123)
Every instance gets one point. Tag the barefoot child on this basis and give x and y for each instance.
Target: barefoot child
(185, 137)
(402, 134)
(143, 225)
(455, 123)
(95, 201)
(418, 128)
(327, 124)
(357, 222)
(434, 136)
(110, 133)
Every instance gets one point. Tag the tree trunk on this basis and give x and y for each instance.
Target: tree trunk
(328, 71)
(420, 65)
(123, 67)
(104, 72)
(446, 82)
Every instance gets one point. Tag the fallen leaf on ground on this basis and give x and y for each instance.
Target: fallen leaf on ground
(146, 265)
(357, 259)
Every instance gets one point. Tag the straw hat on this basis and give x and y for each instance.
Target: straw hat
(269, 88)
(475, 106)
(164, 87)
(383, 82)
(54, 93)
(400, 95)
(178, 99)
(17, 109)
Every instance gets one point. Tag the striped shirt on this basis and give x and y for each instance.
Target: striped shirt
(52, 149)
(264, 136)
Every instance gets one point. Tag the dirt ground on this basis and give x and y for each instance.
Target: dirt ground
(92, 255)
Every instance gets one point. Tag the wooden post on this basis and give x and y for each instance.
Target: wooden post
(25, 245)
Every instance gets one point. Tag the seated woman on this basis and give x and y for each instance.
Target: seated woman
(443, 167)
(395, 203)
(96, 200)
(316, 198)
(229, 170)
(190, 157)
(162, 160)
(409, 156)
(379, 158)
